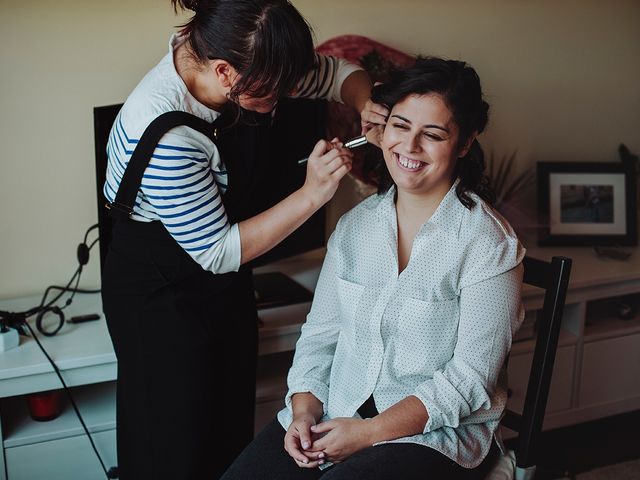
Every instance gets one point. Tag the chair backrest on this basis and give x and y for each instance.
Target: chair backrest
(553, 277)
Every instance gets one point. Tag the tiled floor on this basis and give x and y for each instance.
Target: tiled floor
(572, 450)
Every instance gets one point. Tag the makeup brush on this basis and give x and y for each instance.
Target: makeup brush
(353, 143)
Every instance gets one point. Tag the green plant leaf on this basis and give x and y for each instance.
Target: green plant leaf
(500, 171)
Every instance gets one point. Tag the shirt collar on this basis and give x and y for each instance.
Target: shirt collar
(192, 104)
(447, 216)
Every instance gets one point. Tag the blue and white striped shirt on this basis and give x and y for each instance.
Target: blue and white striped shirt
(183, 184)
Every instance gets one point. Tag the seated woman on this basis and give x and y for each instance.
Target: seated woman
(396, 373)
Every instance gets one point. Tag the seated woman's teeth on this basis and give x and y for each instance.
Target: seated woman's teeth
(408, 163)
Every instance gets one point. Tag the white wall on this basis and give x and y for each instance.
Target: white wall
(563, 79)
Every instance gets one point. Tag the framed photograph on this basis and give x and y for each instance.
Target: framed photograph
(587, 204)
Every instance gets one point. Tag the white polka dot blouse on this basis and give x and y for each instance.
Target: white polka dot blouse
(440, 330)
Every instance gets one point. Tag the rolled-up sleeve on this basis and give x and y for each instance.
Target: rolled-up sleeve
(180, 188)
(319, 335)
(326, 78)
(490, 312)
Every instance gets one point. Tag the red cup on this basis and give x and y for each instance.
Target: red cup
(45, 406)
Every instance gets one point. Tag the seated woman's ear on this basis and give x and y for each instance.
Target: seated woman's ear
(374, 135)
(464, 149)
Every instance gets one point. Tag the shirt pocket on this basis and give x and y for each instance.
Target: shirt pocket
(425, 337)
(349, 296)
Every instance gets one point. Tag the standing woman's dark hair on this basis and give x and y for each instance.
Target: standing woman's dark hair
(268, 43)
(459, 85)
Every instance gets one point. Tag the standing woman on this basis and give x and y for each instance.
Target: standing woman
(178, 301)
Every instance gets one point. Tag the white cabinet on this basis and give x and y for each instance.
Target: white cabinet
(561, 380)
(597, 369)
(69, 458)
(610, 371)
(59, 449)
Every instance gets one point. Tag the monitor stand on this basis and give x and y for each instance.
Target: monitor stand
(275, 289)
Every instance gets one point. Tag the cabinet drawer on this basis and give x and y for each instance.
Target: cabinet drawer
(561, 380)
(69, 458)
(610, 370)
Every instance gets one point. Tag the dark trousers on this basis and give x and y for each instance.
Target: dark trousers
(186, 347)
(266, 459)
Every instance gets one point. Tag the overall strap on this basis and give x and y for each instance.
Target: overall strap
(122, 206)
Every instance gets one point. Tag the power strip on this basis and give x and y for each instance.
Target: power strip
(9, 339)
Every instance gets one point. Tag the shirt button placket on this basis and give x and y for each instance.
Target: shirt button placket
(377, 345)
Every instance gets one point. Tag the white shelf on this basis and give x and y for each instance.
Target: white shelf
(95, 402)
(526, 346)
(83, 352)
(592, 277)
(281, 327)
(610, 327)
(601, 322)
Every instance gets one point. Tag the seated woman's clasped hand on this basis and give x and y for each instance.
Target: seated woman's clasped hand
(311, 444)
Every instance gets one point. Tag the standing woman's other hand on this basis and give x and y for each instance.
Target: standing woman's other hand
(373, 118)
(328, 163)
(373, 114)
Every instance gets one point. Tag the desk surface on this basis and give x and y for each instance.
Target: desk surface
(82, 351)
(592, 277)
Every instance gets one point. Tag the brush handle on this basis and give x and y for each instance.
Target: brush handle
(356, 142)
(353, 143)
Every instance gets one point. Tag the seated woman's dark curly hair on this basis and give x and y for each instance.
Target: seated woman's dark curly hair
(459, 85)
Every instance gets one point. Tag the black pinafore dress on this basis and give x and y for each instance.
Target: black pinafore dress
(185, 338)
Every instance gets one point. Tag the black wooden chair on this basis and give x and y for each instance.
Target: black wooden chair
(553, 277)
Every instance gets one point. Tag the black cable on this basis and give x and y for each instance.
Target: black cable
(42, 309)
(76, 290)
(86, 234)
(76, 275)
(34, 310)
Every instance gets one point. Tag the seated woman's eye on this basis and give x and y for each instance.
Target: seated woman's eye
(400, 126)
(433, 136)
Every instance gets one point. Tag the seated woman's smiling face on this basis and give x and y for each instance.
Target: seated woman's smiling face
(420, 144)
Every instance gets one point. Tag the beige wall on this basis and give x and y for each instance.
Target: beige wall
(562, 77)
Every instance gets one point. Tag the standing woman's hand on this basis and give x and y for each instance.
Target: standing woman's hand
(373, 115)
(373, 118)
(328, 163)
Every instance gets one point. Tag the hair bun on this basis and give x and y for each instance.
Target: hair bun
(186, 4)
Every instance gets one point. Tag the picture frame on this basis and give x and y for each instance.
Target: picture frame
(587, 204)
